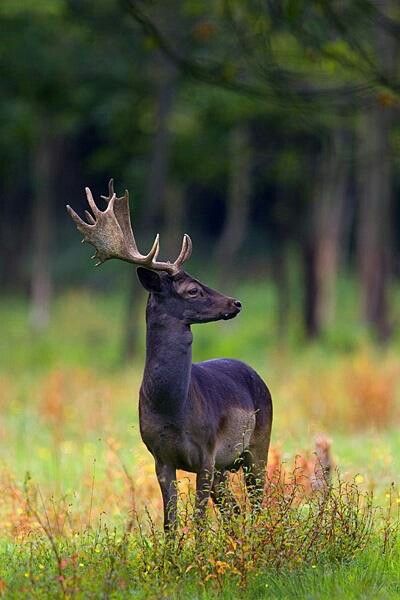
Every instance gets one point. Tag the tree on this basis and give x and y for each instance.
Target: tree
(374, 178)
(237, 200)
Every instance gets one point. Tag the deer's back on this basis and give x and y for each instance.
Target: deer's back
(222, 383)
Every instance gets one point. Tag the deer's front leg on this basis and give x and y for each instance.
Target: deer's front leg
(204, 482)
(166, 476)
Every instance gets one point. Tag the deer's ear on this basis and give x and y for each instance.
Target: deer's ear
(150, 280)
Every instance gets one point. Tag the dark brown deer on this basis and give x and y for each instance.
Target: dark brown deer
(206, 418)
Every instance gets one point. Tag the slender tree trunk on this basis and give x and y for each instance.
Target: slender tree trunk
(45, 162)
(329, 209)
(166, 76)
(13, 234)
(374, 179)
(310, 288)
(280, 274)
(238, 201)
(325, 238)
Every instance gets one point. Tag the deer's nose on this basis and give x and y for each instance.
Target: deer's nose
(237, 303)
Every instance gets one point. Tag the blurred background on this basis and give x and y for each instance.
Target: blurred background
(269, 131)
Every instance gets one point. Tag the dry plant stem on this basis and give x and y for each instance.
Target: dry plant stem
(50, 536)
(131, 485)
(92, 494)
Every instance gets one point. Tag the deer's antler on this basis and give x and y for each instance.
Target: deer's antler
(110, 232)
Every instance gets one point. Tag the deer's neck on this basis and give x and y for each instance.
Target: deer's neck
(167, 370)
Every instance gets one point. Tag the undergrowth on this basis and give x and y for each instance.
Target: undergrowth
(293, 532)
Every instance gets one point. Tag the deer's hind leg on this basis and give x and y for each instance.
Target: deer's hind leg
(204, 483)
(222, 496)
(254, 465)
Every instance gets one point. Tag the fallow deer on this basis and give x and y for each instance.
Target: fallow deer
(206, 418)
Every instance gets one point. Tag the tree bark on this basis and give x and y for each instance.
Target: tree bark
(44, 164)
(238, 202)
(374, 183)
(280, 274)
(329, 210)
(311, 324)
(13, 234)
(325, 237)
(166, 75)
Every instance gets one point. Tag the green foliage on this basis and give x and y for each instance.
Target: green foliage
(33, 8)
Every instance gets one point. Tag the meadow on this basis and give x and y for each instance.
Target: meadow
(80, 508)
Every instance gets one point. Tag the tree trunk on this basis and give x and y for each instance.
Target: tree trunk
(329, 210)
(324, 239)
(13, 234)
(280, 274)
(166, 76)
(238, 202)
(310, 289)
(44, 165)
(374, 182)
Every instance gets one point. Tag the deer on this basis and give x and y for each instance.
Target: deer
(207, 418)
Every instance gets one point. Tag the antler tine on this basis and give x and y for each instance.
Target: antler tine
(89, 217)
(186, 251)
(110, 191)
(91, 201)
(176, 266)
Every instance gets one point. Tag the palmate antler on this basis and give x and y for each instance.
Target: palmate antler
(110, 232)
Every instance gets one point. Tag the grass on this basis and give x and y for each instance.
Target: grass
(69, 419)
(331, 541)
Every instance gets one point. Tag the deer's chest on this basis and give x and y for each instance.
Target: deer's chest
(169, 441)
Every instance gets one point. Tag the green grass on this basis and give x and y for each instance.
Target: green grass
(110, 564)
(370, 576)
(333, 544)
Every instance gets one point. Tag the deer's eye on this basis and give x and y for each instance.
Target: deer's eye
(192, 292)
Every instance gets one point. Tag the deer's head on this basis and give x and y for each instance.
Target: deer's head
(175, 292)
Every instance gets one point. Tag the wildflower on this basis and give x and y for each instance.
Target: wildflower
(221, 566)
